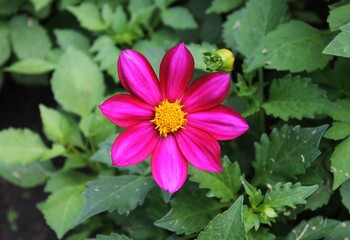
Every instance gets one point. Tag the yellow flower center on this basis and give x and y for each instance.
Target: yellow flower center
(169, 117)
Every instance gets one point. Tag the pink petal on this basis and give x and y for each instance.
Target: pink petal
(199, 148)
(126, 110)
(169, 167)
(206, 92)
(176, 71)
(134, 145)
(222, 122)
(137, 76)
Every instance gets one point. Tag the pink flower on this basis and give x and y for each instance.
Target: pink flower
(174, 121)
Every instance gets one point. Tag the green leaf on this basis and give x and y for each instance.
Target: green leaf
(287, 195)
(338, 131)
(113, 236)
(70, 38)
(288, 152)
(338, 17)
(313, 229)
(31, 66)
(119, 23)
(163, 3)
(62, 208)
(261, 234)
(197, 51)
(55, 151)
(258, 18)
(294, 46)
(88, 16)
(255, 195)
(63, 179)
(9, 7)
(342, 231)
(341, 163)
(28, 175)
(151, 51)
(340, 45)
(28, 38)
(222, 6)
(20, 146)
(4, 45)
(190, 212)
(107, 193)
(345, 194)
(40, 4)
(226, 226)
(77, 83)
(229, 27)
(178, 18)
(223, 185)
(103, 154)
(295, 97)
(250, 219)
(343, 112)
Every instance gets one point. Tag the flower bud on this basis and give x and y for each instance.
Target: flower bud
(220, 60)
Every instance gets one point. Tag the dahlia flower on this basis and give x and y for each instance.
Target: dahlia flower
(174, 121)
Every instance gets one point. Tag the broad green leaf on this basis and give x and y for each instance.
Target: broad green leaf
(28, 38)
(40, 4)
(341, 163)
(190, 212)
(119, 23)
(77, 83)
(342, 113)
(313, 229)
(28, 175)
(107, 193)
(9, 7)
(4, 45)
(223, 185)
(342, 231)
(258, 18)
(70, 38)
(197, 51)
(345, 194)
(31, 66)
(63, 179)
(229, 29)
(338, 17)
(209, 31)
(88, 16)
(62, 208)
(294, 46)
(340, 45)
(338, 131)
(55, 151)
(20, 146)
(295, 97)
(165, 38)
(226, 226)
(113, 236)
(222, 6)
(261, 234)
(287, 195)
(163, 3)
(286, 153)
(178, 18)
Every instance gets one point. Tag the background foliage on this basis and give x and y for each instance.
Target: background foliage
(287, 178)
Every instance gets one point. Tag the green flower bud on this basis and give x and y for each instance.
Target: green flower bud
(270, 212)
(220, 60)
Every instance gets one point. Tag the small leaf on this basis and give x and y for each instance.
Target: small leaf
(226, 226)
(222, 6)
(295, 97)
(223, 185)
(20, 146)
(255, 195)
(338, 131)
(345, 194)
(341, 163)
(340, 45)
(113, 236)
(178, 18)
(197, 51)
(4, 45)
(338, 17)
(77, 83)
(343, 112)
(107, 193)
(31, 66)
(40, 4)
(62, 208)
(294, 46)
(190, 212)
(88, 16)
(70, 38)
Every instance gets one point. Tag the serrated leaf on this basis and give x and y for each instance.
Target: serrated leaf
(40, 4)
(287, 195)
(342, 231)
(338, 131)
(62, 208)
(222, 6)
(20, 146)
(343, 112)
(295, 97)
(88, 16)
(255, 195)
(226, 226)
(223, 185)
(107, 193)
(197, 51)
(178, 18)
(70, 38)
(4, 45)
(313, 229)
(338, 17)
(341, 163)
(288, 152)
(31, 66)
(345, 194)
(75, 78)
(340, 45)
(28, 38)
(113, 236)
(190, 212)
(250, 219)
(294, 46)
(257, 19)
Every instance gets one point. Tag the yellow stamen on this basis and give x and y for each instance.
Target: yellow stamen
(169, 117)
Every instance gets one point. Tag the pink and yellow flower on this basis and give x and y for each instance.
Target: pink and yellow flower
(174, 121)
